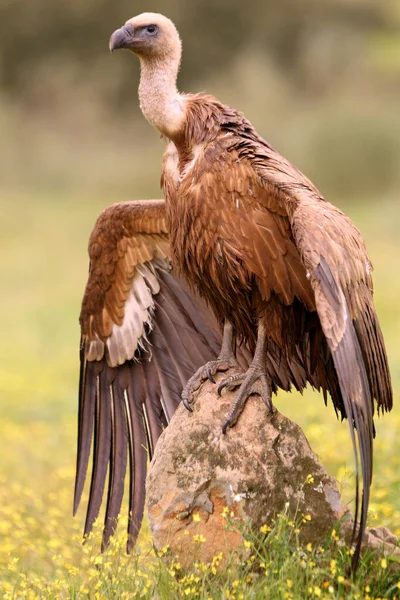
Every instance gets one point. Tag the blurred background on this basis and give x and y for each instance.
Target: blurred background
(320, 79)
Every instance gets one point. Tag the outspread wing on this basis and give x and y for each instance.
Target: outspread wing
(143, 334)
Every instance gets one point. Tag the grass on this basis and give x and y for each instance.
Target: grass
(44, 268)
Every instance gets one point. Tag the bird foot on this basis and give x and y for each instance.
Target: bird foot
(207, 371)
(254, 381)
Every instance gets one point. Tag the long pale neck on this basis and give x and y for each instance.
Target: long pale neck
(160, 101)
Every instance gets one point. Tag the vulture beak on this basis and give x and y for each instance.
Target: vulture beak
(121, 38)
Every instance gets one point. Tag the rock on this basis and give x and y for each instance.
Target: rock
(257, 469)
(382, 541)
(262, 466)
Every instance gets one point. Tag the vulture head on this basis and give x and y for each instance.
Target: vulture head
(150, 36)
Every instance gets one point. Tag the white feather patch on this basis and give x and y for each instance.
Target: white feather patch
(124, 339)
(94, 350)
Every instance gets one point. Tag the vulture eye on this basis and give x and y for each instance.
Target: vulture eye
(152, 29)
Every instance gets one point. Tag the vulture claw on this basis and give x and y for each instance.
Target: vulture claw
(187, 405)
(209, 373)
(205, 372)
(254, 381)
(231, 382)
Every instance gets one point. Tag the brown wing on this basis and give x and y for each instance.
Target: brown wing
(143, 335)
(259, 229)
(336, 261)
(340, 273)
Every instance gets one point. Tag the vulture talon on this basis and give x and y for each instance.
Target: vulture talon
(209, 374)
(205, 372)
(187, 405)
(225, 361)
(231, 382)
(255, 381)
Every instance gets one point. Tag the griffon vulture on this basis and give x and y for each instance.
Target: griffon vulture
(244, 242)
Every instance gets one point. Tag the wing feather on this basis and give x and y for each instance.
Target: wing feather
(334, 255)
(144, 333)
(354, 385)
(137, 457)
(117, 463)
(101, 449)
(196, 313)
(181, 360)
(177, 324)
(87, 403)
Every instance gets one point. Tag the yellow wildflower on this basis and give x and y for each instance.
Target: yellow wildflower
(333, 567)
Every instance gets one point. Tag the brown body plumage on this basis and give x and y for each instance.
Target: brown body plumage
(285, 269)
